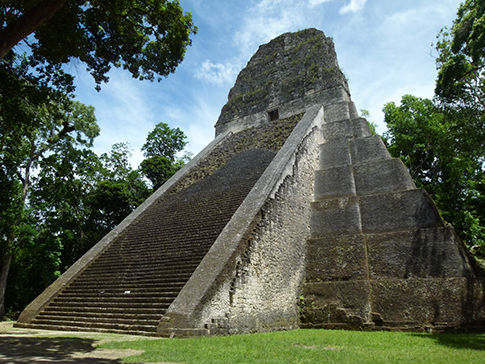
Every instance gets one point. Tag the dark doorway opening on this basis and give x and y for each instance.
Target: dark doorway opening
(273, 115)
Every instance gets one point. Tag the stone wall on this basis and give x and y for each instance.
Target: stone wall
(293, 71)
(269, 136)
(250, 278)
(261, 293)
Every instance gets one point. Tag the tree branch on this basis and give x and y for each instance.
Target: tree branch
(27, 23)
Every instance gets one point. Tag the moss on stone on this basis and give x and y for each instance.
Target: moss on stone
(270, 136)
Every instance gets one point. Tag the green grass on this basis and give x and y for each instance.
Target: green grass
(313, 346)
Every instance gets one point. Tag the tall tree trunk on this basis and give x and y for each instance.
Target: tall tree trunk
(4, 269)
(27, 23)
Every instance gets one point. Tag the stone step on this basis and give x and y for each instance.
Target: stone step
(148, 255)
(102, 315)
(100, 270)
(335, 216)
(390, 211)
(113, 310)
(113, 259)
(140, 294)
(103, 285)
(385, 175)
(118, 299)
(93, 321)
(150, 332)
(394, 211)
(109, 304)
(159, 250)
(345, 129)
(164, 287)
(166, 241)
(136, 277)
(189, 246)
(341, 151)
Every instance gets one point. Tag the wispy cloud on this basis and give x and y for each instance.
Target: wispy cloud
(266, 20)
(217, 73)
(313, 3)
(353, 6)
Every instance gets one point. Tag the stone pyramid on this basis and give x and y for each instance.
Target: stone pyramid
(294, 215)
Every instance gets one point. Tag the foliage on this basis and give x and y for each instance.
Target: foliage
(164, 141)
(34, 119)
(161, 148)
(58, 197)
(146, 37)
(440, 153)
(461, 58)
(311, 346)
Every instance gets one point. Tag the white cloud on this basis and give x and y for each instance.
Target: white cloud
(313, 3)
(353, 6)
(197, 120)
(268, 19)
(217, 73)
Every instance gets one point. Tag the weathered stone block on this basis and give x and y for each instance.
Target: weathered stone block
(333, 182)
(382, 176)
(336, 215)
(433, 252)
(325, 299)
(398, 211)
(336, 257)
(338, 129)
(353, 113)
(336, 112)
(368, 149)
(435, 301)
(360, 128)
(334, 153)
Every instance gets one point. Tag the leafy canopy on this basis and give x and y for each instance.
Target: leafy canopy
(461, 58)
(161, 148)
(147, 37)
(444, 158)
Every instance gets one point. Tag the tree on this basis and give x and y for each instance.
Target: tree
(34, 118)
(441, 157)
(146, 37)
(461, 58)
(119, 189)
(161, 148)
(460, 85)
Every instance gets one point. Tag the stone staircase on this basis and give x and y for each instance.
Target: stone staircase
(128, 288)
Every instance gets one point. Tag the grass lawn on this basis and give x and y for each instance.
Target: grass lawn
(312, 346)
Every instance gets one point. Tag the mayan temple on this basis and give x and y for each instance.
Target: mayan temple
(295, 215)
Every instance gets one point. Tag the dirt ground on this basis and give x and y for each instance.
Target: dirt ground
(41, 346)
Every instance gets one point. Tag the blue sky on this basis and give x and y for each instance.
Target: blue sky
(383, 47)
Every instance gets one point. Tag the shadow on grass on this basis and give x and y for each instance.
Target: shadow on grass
(457, 341)
(17, 350)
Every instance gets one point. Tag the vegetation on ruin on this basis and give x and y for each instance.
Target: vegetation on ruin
(442, 141)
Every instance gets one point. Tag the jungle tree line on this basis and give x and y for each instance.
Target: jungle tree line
(58, 197)
(442, 141)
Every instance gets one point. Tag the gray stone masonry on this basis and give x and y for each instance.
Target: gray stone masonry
(380, 256)
(294, 216)
(290, 73)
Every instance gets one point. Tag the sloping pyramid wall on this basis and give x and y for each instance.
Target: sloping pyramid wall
(380, 256)
(188, 246)
(233, 242)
